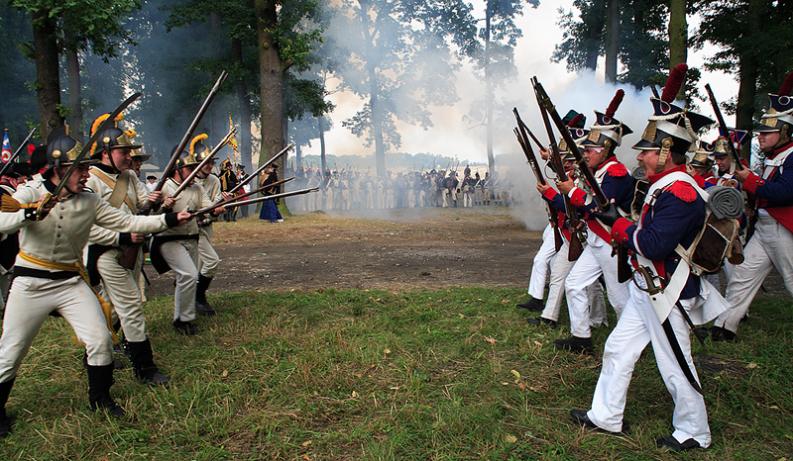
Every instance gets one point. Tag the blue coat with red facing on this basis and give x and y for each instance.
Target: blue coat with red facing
(676, 217)
(617, 184)
(775, 194)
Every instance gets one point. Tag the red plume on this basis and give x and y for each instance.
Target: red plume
(574, 122)
(787, 85)
(674, 82)
(615, 103)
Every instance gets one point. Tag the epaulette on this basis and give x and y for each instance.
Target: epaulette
(618, 170)
(683, 190)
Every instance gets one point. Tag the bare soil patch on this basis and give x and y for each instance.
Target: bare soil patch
(413, 248)
(391, 250)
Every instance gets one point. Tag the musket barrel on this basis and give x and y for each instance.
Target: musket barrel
(261, 168)
(16, 153)
(190, 129)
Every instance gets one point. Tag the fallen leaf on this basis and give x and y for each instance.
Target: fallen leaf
(394, 388)
(516, 374)
(225, 374)
(752, 366)
(509, 438)
(490, 340)
(306, 443)
(386, 351)
(354, 395)
(522, 386)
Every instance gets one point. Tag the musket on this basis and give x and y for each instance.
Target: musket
(186, 182)
(624, 272)
(235, 198)
(544, 101)
(16, 153)
(535, 167)
(256, 200)
(736, 158)
(94, 138)
(555, 160)
(723, 130)
(146, 208)
(261, 168)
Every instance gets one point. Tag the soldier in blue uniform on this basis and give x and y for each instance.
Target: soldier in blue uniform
(667, 293)
(772, 242)
(617, 184)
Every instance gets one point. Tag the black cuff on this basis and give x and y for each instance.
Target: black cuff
(31, 214)
(171, 220)
(124, 238)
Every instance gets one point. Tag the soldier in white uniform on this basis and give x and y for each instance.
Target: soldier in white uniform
(177, 249)
(116, 258)
(208, 259)
(49, 275)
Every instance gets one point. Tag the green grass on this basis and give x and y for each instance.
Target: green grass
(350, 375)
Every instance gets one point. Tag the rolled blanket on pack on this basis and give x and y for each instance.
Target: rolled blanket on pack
(725, 202)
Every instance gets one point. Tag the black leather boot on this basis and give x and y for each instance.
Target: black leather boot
(143, 364)
(575, 344)
(721, 334)
(533, 304)
(185, 328)
(201, 304)
(5, 421)
(100, 378)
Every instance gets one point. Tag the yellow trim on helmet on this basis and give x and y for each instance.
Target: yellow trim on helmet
(196, 140)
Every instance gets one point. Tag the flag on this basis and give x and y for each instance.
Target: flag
(5, 156)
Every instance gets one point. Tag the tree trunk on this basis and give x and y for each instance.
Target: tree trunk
(594, 36)
(491, 160)
(48, 84)
(612, 39)
(748, 73)
(322, 159)
(298, 157)
(678, 36)
(75, 93)
(271, 81)
(243, 103)
(377, 114)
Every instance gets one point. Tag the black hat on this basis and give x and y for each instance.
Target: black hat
(672, 128)
(607, 131)
(702, 155)
(575, 125)
(738, 138)
(780, 109)
(111, 137)
(62, 149)
(151, 176)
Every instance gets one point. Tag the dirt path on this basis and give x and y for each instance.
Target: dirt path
(417, 248)
(411, 248)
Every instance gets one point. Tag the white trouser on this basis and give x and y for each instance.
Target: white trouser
(182, 257)
(560, 267)
(637, 326)
(445, 198)
(595, 260)
(120, 285)
(770, 246)
(208, 259)
(30, 302)
(541, 263)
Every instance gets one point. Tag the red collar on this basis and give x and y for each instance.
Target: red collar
(605, 162)
(779, 150)
(653, 178)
